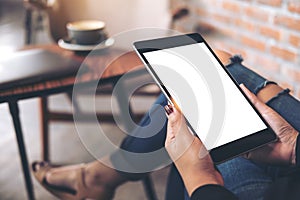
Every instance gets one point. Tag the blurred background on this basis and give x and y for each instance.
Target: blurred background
(265, 32)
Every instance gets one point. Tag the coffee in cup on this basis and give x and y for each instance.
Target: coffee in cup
(87, 32)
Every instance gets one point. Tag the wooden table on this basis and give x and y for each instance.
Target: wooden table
(108, 65)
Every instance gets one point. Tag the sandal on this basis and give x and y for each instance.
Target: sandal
(62, 192)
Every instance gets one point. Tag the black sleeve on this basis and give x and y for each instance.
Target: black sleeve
(298, 151)
(212, 192)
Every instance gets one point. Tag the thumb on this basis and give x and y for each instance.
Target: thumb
(174, 121)
(179, 137)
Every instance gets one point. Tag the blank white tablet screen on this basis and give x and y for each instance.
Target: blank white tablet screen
(240, 119)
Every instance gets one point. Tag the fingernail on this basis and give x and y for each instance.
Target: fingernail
(168, 109)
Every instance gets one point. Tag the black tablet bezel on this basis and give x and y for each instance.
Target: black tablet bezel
(226, 151)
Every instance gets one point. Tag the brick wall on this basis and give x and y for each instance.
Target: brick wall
(265, 32)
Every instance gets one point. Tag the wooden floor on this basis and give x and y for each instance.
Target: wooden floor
(66, 147)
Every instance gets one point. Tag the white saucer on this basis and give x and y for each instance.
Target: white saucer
(77, 47)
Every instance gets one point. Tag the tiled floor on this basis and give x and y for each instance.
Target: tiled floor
(66, 147)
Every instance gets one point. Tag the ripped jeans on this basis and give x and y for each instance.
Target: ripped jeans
(243, 177)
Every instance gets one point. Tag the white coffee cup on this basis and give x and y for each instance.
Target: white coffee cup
(87, 32)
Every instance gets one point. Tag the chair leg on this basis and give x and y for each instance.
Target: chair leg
(28, 26)
(74, 102)
(125, 109)
(44, 123)
(149, 188)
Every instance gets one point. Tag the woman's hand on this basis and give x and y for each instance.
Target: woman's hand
(283, 150)
(189, 154)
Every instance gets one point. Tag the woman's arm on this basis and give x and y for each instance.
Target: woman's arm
(189, 154)
(194, 162)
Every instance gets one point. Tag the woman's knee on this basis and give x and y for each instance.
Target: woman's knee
(224, 56)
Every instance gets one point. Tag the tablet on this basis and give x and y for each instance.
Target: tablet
(215, 108)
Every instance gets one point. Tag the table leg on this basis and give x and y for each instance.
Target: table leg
(14, 111)
(44, 123)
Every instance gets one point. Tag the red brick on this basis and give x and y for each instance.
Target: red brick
(221, 18)
(267, 63)
(201, 11)
(212, 3)
(285, 85)
(256, 13)
(276, 3)
(294, 6)
(284, 53)
(245, 24)
(238, 51)
(270, 32)
(226, 45)
(253, 43)
(289, 22)
(227, 31)
(294, 40)
(272, 78)
(231, 6)
(293, 74)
